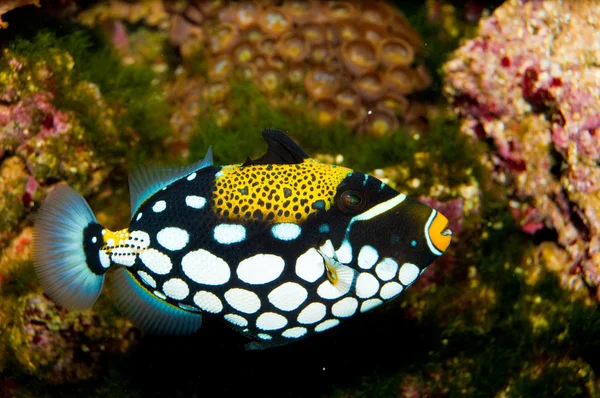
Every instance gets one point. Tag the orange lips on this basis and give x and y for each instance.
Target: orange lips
(439, 234)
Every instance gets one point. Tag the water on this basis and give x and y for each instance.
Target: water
(501, 136)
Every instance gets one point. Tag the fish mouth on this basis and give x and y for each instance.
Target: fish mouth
(446, 231)
(439, 233)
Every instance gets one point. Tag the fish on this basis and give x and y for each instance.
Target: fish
(280, 248)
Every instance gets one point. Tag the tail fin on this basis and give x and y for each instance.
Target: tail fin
(67, 250)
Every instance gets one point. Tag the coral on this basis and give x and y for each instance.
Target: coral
(324, 50)
(40, 141)
(60, 346)
(62, 125)
(8, 5)
(63, 120)
(529, 83)
(151, 12)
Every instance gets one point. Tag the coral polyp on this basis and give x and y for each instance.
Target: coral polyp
(369, 46)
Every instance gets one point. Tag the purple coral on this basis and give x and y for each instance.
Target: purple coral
(529, 83)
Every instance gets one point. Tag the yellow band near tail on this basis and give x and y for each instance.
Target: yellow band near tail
(115, 239)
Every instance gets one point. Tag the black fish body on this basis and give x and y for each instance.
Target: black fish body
(280, 248)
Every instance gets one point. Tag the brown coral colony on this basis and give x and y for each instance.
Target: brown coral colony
(351, 57)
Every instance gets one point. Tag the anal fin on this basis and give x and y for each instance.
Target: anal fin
(148, 312)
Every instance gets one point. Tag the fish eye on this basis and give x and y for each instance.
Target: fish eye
(351, 202)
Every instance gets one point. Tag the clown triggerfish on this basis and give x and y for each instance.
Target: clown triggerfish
(281, 247)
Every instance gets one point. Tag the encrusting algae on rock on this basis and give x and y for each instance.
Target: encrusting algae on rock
(61, 346)
(536, 93)
(58, 120)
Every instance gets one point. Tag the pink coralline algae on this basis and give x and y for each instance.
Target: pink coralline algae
(64, 346)
(40, 143)
(529, 84)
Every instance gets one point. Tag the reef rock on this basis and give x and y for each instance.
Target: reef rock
(529, 84)
(60, 346)
(8, 5)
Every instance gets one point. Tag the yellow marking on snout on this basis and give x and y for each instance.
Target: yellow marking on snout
(439, 223)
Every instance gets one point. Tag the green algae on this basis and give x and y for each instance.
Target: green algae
(20, 279)
(452, 155)
(137, 109)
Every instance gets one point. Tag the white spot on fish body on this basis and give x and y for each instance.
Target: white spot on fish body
(227, 234)
(328, 324)
(139, 239)
(202, 266)
(208, 302)
(345, 308)
(286, 231)
(94, 239)
(344, 253)
(390, 290)
(288, 296)
(160, 295)
(159, 206)
(176, 289)
(260, 269)
(123, 256)
(147, 279)
(327, 248)
(366, 285)
(264, 336)
(191, 176)
(312, 313)
(104, 259)
(370, 304)
(243, 300)
(188, 307)
(294, 333)
(172, 238)
(408, 273)
(137, 218)
(387, 269)
(237, 320)
(156, 261)
(367, 257)
(271, 321)
(310, 265)
(196, 202)
(331, 292)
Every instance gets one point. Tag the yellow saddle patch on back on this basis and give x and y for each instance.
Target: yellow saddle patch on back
(276, 192)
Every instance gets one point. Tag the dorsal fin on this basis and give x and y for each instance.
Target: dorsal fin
(145, 181)
(281, 149)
